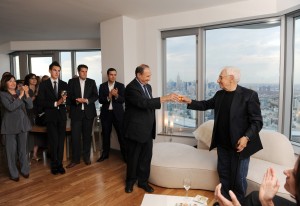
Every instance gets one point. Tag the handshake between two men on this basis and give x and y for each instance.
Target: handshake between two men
(175, 98)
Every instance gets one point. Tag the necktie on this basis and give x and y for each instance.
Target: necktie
(146, 92)
(55, 89)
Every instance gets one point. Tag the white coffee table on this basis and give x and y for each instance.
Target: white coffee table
(167, 200)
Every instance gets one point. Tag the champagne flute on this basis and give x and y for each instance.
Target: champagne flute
(186, 185)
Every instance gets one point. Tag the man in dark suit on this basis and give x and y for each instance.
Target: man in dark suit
(82, 95)
(237, 123)
(53, 103)
(140, 127)
(111, 96)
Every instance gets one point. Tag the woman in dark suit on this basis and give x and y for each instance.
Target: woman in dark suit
(15, 125)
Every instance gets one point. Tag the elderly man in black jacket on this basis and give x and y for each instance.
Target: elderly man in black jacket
(237, 123)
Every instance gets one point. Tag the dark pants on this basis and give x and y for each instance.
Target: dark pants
(107, 123)
(232, 173)
(56, 136)
(81, 128)
(138, 161)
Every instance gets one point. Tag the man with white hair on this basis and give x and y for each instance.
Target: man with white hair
(237, 122)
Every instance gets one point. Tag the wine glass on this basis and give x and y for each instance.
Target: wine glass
(64, 93)
(186, 185)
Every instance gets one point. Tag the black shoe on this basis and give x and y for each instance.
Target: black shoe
(102, 158)
(25, 175)
(15, 179)
(216, 204)
(54, 171)
(87, 162)
(129, 188)
(146, 187)
(61, 170)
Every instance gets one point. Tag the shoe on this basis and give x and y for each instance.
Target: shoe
(129, 188)
(25, 175)
(216, 204)
(72, 164)
(36, 159)
(15, 179)
(102, 158)
(54, 171)
(61, 170)
(146, 187)
(88, 162)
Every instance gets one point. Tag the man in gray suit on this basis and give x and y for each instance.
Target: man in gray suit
(140, 127)
(82, 94)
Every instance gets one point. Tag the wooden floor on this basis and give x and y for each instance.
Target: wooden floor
(96, 184)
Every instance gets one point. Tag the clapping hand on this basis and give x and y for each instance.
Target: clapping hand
(268, 187)
(222, 200)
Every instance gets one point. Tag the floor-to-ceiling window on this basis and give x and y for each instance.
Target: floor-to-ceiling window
(295, 123)
(180, 77)
(255, 49)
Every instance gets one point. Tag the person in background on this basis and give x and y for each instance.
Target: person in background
(52, 101)
(111, 96)
(82, 94)
(267, 191)
(15, 125)
(31, 81)
(237, 122)
(44, 78)
(140, 127)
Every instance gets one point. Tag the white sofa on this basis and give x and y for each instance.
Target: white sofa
(171, 162)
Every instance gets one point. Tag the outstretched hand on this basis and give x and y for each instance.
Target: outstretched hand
(184, 99)
(169, 98)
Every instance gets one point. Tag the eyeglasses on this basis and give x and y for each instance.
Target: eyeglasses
(222, 76)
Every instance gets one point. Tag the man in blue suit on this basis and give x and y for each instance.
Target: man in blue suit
(53, 103)
(111, 96)
(237, 123)
(82, 95)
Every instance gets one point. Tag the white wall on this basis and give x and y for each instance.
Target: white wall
(4, 63)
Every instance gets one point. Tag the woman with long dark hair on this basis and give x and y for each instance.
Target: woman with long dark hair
(32, 83)
(15, 125)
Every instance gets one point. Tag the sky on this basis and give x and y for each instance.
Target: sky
(255, 51)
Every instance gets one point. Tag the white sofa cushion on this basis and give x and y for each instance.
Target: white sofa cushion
(276, 148)
(171, 162)
(204, 134)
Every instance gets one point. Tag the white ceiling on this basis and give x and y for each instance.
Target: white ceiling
(25, 20)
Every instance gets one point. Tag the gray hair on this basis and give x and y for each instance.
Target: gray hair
(234, 71)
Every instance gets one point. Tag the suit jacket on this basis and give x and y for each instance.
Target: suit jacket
(139, 117)
(90, 93)
(117, 103)
(15, 119)
(245, 118)
(46, 99)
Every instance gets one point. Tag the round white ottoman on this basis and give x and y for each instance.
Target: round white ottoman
(172, 162)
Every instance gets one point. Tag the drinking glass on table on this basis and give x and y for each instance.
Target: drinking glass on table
(186, 185)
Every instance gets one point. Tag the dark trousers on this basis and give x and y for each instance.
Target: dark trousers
(56, 136)
(81, 128)
(232, 173)
(107, 123)
(139, 157)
